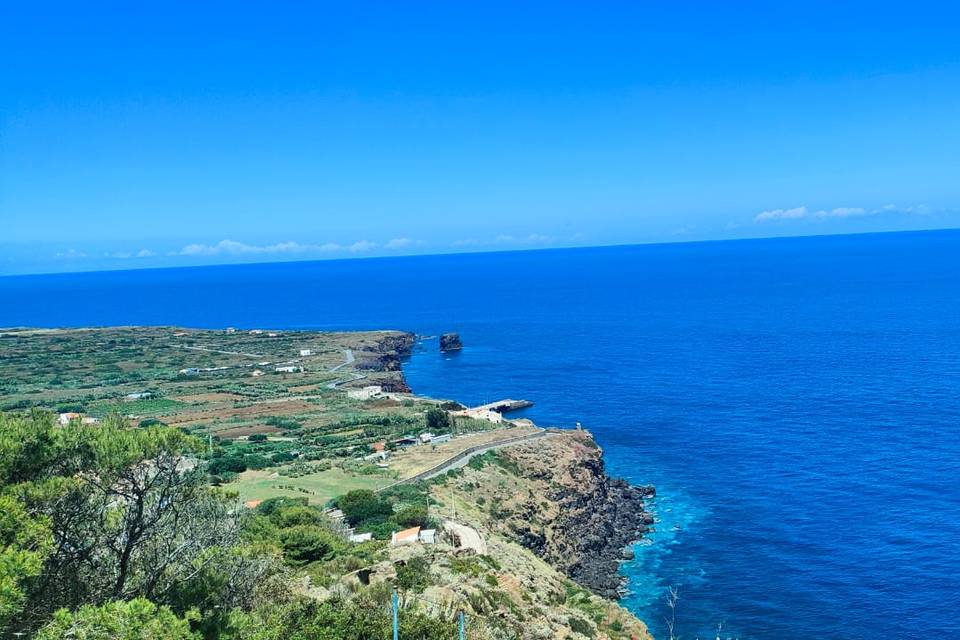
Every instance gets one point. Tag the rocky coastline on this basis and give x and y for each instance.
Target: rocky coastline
(564, 507)
(577, 518)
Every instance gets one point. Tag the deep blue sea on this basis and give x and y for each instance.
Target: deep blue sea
(796, 401)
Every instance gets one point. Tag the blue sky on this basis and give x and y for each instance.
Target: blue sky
(154, 134)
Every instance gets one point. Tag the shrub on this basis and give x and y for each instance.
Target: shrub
(438, 419)
(295, 515)
(580, 626)
(414, 574)
(412, 516)
(362, 504)
(272, 505)
(307, 543)
(132, 620)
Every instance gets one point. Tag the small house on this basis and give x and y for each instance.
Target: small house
(365, 393)
(66, 418)
(407, 536)
(428, 536)
(379, 447)
(190, 371)
(257, 373)
(441, 439)
(361, 537)
(142, 395)
(289, 369)
(306, 352)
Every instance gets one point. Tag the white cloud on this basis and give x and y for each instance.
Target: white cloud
(145, 253)
(70, 254)
(467, 242)
(781, 214)
(839, 212)
(362, 245)
(232, 247)
(399, 243)
(538, 238)
(844, 212)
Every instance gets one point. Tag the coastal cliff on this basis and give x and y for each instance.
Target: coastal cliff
(562, 505)
(383, 356)
(551, 499)
(575, 516)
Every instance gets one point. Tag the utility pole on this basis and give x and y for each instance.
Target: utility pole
(396, 621)
(460, 623)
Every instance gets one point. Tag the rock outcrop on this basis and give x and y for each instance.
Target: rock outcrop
(566, 509)
(450, 342)
(385, 355)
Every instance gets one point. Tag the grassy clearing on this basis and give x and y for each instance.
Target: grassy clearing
(318, 488)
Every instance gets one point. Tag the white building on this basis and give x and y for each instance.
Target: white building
(306, 352)
(66, 418)
(289, 369)
(365, 393)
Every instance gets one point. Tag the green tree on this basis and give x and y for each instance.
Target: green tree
(362, 504)
(138, 619)
(128, 511)
(438, 419)
(307, 543)
(24, 545)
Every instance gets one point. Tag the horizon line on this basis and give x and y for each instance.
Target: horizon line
(478, 252)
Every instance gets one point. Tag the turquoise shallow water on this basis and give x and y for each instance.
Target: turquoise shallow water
(795, 401)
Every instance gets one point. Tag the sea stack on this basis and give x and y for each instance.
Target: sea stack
(450, 342)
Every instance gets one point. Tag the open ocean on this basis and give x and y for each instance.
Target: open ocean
(796, 401)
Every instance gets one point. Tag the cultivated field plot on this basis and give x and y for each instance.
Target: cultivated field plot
(273, 408)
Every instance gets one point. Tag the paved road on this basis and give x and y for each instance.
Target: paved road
(461, 459)
(348, 355)
(467, 537)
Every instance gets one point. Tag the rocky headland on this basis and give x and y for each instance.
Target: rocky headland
(572, 514)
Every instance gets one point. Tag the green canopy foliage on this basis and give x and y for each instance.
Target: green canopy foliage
(138, 619)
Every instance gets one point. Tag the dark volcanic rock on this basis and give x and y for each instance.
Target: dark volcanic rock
(399, 344)
(384, 355)
(450, 342)
(575, 516)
